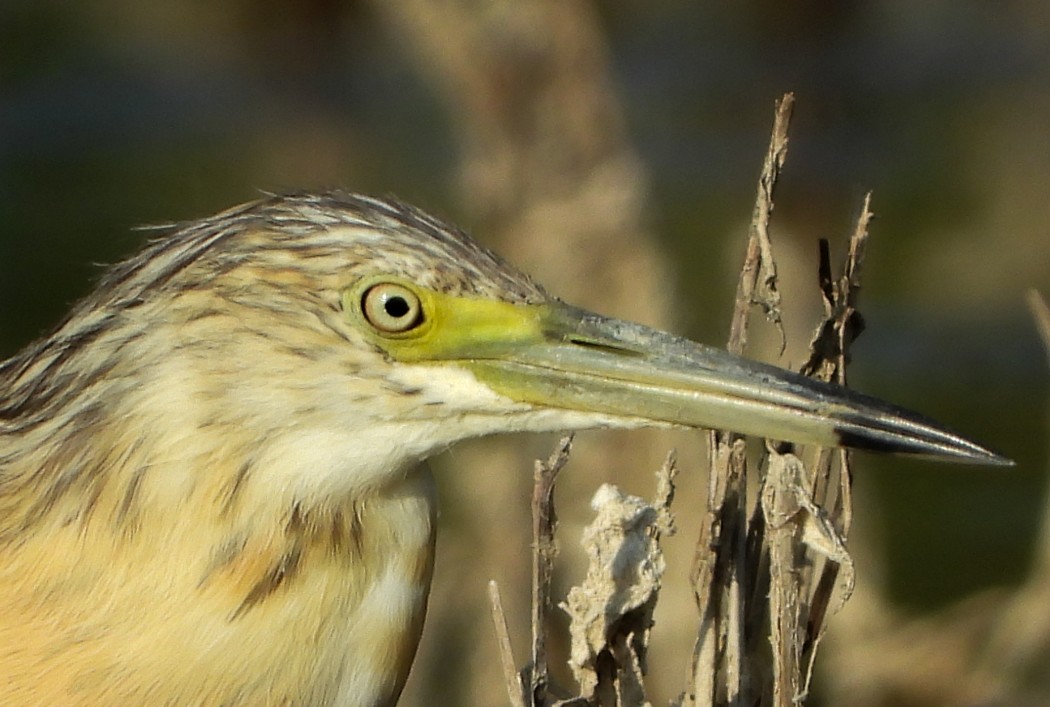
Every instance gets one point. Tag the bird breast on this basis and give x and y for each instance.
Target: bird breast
(323, 606)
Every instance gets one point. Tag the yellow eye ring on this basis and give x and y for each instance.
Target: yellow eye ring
(391, 308)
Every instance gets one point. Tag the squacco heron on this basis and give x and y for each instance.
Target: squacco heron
(210, 480)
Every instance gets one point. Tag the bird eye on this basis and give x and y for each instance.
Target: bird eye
(391, 308)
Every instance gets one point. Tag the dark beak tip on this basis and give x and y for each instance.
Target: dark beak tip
(941, 447)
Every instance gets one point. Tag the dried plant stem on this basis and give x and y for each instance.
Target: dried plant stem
(511, 677)
(829, 355)
(766, 568)
(758, 277)
(719, 565)
(808, 515)
(1041, 314)
(544, 524)
(775, 565)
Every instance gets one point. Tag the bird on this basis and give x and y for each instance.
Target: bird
(213, 487)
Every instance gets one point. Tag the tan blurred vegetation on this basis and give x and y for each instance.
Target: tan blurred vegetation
(610, 148)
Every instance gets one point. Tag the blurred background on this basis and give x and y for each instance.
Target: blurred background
(611, 149)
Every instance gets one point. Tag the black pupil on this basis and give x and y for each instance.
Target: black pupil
(396, 307)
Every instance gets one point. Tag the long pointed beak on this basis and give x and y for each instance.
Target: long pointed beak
(578, 360)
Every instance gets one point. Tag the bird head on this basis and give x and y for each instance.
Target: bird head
(340, 339)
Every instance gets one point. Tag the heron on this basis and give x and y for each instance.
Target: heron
(212, 487)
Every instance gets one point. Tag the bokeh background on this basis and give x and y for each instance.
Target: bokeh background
(611, 148)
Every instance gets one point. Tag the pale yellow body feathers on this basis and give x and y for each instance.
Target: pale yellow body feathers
(196, 570)
(291, 611)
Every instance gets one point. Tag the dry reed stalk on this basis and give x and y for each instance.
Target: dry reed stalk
(767, 564)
